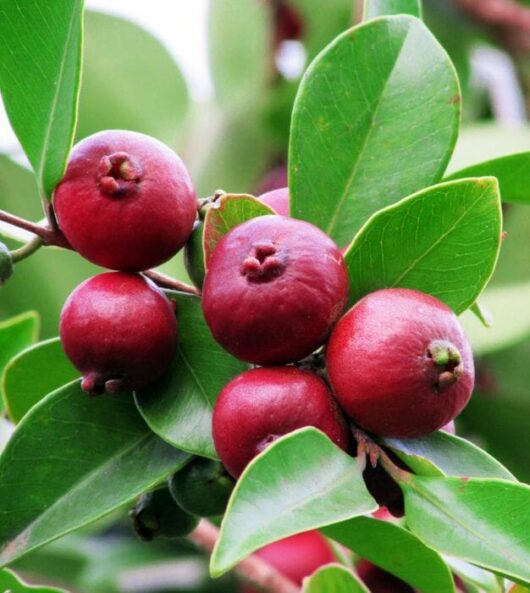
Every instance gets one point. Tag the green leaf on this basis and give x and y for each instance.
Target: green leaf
(228, 212)
(395, 550)
(353, 146)
(123, 64)
(485, 522)
(441, 453)
(483, 579)
(40, 57)
(16, 334)
(10, 583)
(482, 314)
(72, 460)
(333, 579)
(34, 373)
(179, 406)
(444, 240)
(240, 43)
(512, 172)
(277, 495)
(375, 8)
(322, 26)
(506, 329)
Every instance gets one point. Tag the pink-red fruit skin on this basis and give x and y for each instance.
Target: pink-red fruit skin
(296, 557)
(261, 405)
(126, 201)
(278, 200)
(119, 330)
(400, 364)
(273, 289)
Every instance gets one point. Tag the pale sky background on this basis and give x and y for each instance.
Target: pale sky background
(179, 24)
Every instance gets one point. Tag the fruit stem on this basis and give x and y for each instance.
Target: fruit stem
(252, 570)
(165, 281)
(17, 255)
(49, 236)
(376, 454)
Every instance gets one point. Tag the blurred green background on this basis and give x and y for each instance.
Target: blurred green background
(237, 141)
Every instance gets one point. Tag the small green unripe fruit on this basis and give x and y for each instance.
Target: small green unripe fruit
(202, 487)
(156, 514)
(6, 264)
(194, 255)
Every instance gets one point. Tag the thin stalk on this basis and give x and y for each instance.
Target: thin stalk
(17, 255)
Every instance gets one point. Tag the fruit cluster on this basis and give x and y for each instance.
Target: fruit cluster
(397, 364)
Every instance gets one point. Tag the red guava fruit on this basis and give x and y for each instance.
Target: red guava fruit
(273, 289)
(400, 364)
(126, 201)
(261, 405)
(119, 330)
(278, 200)
(296, 557)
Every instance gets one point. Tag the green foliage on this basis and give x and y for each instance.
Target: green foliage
(456, 516)
(333, 579)
(375, 8)
(32, 374)
(72, 460)
(395, 550)
(459, 217)
(442, 453)
(16, 334)
(130, 81)
(39, 78)
(353, 149)
(10, 583)
(278, 496)
(179, 406)
(511, 171)
(228, 212)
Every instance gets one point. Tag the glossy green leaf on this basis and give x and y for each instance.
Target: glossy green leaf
(277, 495)
(395, 550)
(322, 26)
(72, 460)
(482, 314)
(40, 56)
(511, 171)
(375, 8)
(10, 583)
(506, 329)
(228, 212)
(485, 522)
(333, 579)
(444, 240)
(240, 42)
(34, 373)
(442, 453)
(478, 577)
(130, 81)
(375, 119)
(179, 406)
(16, 334)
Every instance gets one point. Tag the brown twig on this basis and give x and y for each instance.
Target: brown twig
(48, 236)
(165, 281)
(252, 570)
(508, 17)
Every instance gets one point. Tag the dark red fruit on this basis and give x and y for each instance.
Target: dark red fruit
(119, 330)
(126, 201)
(261, 405)
(273, 289)
(400, 363)
(380, 581)
(296, 557)
(278, 200)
